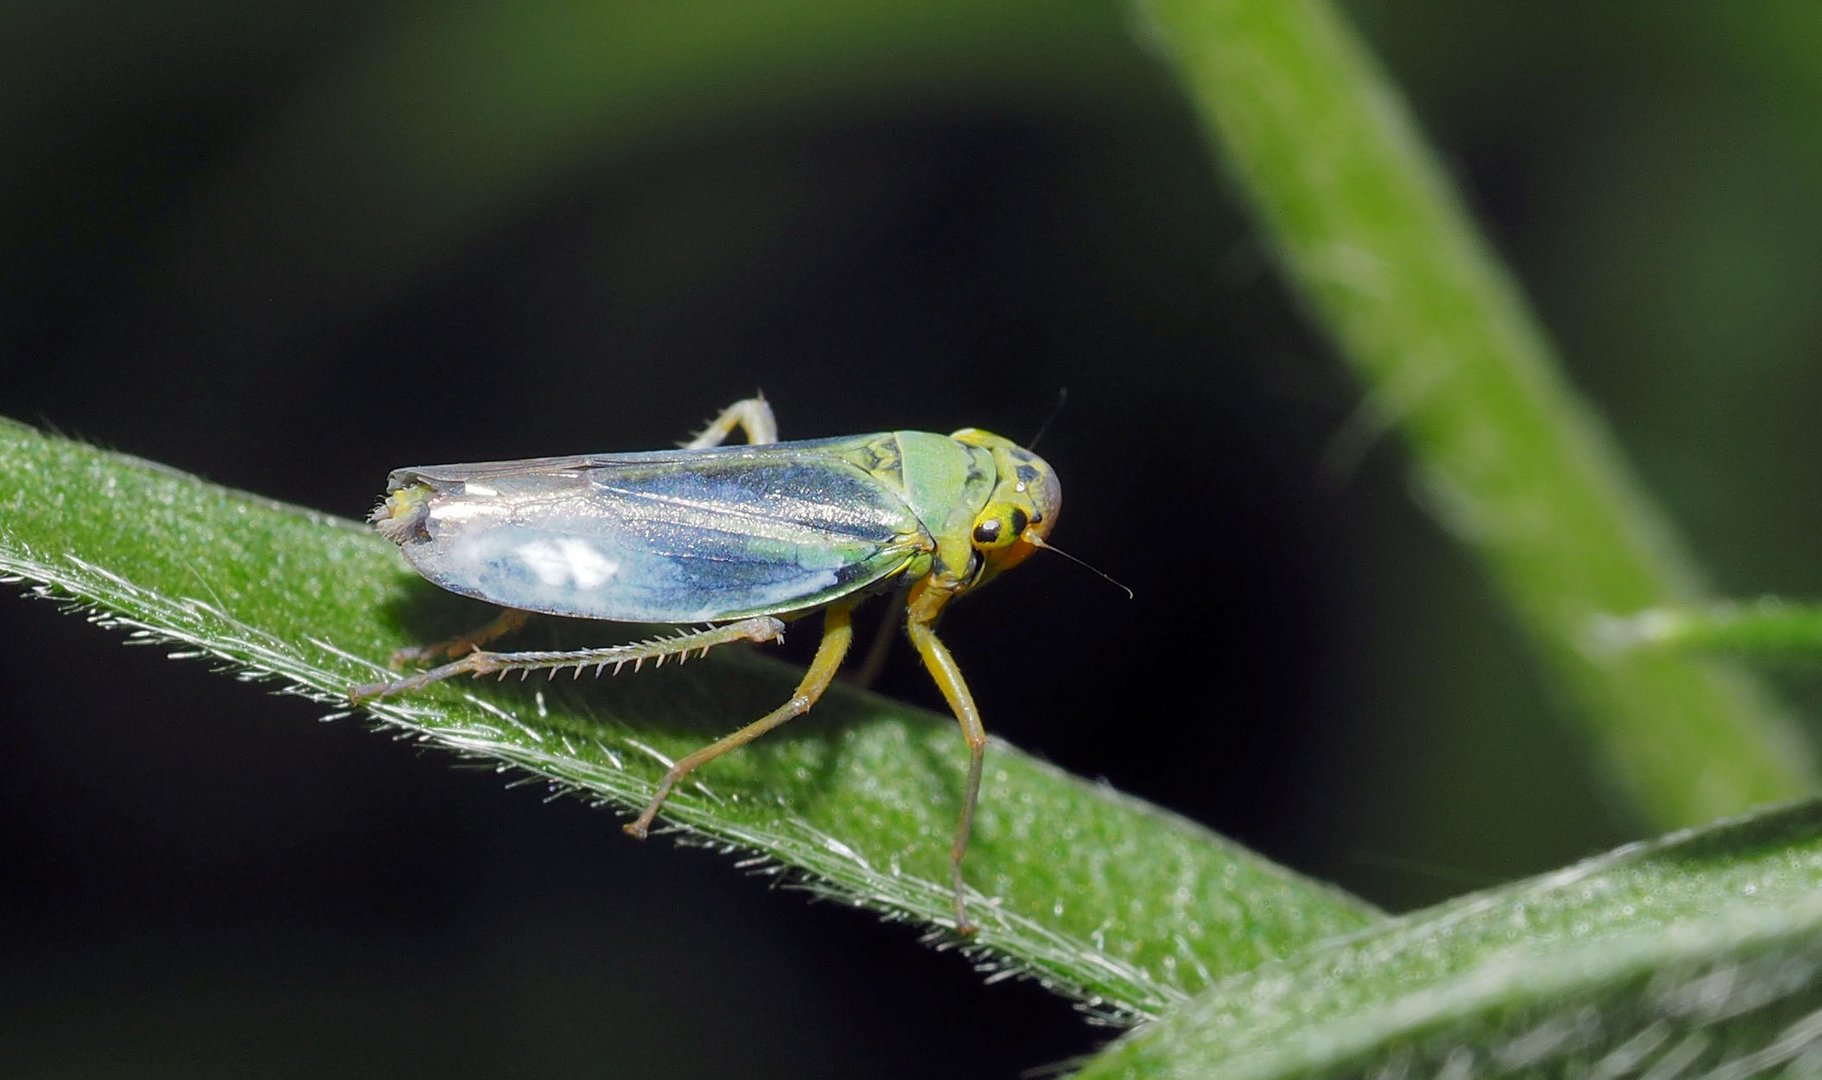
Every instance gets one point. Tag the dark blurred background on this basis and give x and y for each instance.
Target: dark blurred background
(291, 246)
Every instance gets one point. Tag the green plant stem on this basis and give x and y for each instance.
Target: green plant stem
(1767, 630)
(1511, 462)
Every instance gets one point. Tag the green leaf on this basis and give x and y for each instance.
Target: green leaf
(1509, 459)
(1144, 910)
(1698, 954)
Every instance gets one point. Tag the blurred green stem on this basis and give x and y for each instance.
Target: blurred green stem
(1767, 630)
(1510, 461)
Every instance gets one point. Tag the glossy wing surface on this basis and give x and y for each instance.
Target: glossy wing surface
(670, 536)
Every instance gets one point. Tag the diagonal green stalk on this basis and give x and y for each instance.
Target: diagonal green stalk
(858, 801)
(1769, 629)
(1512, 463)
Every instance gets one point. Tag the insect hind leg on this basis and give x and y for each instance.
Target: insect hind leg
(753, 416)
(481, 662)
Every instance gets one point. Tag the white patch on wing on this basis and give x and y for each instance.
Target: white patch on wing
(459, 510)
(567, 561)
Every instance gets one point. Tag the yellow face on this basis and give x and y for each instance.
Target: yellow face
(1022, 509)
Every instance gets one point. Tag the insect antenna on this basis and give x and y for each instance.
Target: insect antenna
(1062, 397)
(1091, 568)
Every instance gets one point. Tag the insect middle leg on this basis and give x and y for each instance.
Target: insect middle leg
(481, 662)
(874, 661)
(837, 634)
(508, 620)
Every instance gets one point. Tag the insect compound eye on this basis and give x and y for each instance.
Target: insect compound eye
(999, 526)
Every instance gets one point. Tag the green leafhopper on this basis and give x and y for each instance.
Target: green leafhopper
(737, 536)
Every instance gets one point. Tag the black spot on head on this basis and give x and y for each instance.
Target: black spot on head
(1027, 474)
(1019, 520)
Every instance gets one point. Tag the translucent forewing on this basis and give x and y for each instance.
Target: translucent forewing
(675, 536)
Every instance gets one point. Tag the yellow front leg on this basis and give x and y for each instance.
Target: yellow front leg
(922, 608)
